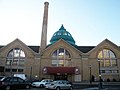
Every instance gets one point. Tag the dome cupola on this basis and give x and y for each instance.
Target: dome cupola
(62, 34)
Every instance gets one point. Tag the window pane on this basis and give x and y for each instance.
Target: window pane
(112, 55)
(102, 63)
(14, 70)
(107, 63)
(114, 63)
(107, 58)
(102, 71)
(106, 53)
(100, 55)
(16, 52)
(8, 62)
(61, 50)
(22, 54)
(20, 70)
(15, 57)
(10, 55)
(15, 62)
(115, 71)
(21, 62)
(7, 70)
(61, 61)
(60, 57)
(54, 61)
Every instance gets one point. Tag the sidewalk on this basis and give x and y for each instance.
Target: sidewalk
(96, 83)
(96, 88)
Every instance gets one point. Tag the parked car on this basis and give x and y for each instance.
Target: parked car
(59, 85)
(41, 83)
(10, 83)
(69, 82)
(23, 76)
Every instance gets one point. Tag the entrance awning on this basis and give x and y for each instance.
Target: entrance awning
(61, 70)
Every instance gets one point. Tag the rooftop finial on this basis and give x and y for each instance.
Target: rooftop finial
(62, 28)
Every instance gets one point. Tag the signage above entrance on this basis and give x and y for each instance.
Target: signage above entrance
(61, 70)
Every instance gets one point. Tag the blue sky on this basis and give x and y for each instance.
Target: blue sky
(89, 21)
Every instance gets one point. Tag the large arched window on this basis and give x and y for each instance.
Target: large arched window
(107, 58)
(61, 57)
(16, 57)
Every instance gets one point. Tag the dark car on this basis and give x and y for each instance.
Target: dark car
(10, 83)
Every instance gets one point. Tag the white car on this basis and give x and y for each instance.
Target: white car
(41, 83)
(59, 85)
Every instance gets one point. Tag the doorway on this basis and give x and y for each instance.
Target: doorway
(60, 77)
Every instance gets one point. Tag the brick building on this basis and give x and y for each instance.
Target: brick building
(62, 58)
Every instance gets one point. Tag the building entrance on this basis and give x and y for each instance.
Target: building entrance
(60, 77)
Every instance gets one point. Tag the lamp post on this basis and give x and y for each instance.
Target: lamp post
(30, 72)
(11, 73)
(90, 75)
(100, 79)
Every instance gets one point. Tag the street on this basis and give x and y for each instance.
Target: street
(40, 89)
(86, 86)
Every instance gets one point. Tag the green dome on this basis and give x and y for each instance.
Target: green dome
(62, 33)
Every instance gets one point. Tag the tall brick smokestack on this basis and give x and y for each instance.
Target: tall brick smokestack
(44, 28)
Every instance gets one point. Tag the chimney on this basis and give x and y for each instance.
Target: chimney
(44, 28)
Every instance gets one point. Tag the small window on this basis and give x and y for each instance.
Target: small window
(64, 33)
(14, 70)
(59, 33)
(20, 70)
(7, 70)
(69, 34)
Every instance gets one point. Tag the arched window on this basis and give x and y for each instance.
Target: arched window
(16, 57)
(107, 58)
(60, 57)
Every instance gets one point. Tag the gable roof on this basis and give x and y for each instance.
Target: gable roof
(1, 46)
(35, 48)
(84, 49)
(18, 43)
(103, 44)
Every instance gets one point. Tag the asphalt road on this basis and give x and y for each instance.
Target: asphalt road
(40, 89)
(94, 86)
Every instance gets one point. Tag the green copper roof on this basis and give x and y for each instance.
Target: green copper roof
(62, 33)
